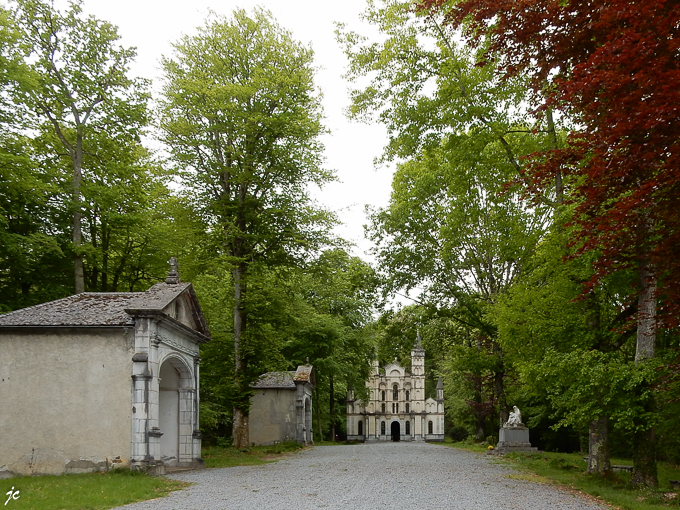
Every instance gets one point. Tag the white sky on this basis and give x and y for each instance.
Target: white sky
(152, 25)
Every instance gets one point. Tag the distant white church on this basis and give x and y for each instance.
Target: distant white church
(397, 409)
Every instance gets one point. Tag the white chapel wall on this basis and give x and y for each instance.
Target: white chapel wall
(66, 401)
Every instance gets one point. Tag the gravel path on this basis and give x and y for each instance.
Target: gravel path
(367, 476)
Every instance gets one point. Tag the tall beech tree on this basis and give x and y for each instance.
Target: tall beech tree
(463, 131)
(242, 119)
(612, 66)
(456, 233)
(74, 79)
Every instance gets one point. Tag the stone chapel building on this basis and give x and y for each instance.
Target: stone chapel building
(397, 409)
(281, 407)
(102, 379)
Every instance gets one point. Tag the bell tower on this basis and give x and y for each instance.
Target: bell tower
(418, 358)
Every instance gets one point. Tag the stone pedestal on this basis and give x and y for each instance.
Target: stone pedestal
(514, 439)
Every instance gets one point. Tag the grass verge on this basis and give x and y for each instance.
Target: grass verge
(221, 456)
(91, 491)
(569, 470)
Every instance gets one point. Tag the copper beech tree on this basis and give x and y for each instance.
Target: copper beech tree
(612, 67)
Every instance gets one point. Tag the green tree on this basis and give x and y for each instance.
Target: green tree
(242, 119)
(338, 296)
(74, 80)
(32, 249)
(454, 231)
(427, 88)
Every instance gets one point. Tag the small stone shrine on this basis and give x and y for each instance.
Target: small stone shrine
(100, 380)
(513, 436)
(281, 407)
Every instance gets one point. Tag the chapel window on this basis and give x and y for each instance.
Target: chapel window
(392, 407)
(382, 428)
(407, 408)
(395, 392)
(361, 428)
(408, 428)
(407, 395)
(383, 395)
(429, 427)
(383, 408)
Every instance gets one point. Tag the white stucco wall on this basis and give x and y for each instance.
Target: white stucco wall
(65, 400)
(272, 416)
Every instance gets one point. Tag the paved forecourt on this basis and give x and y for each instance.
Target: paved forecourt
(368, 476)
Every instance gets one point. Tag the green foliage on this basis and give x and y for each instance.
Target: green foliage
(75, 182)
(339, 294)
(242, 120)
(319, 311)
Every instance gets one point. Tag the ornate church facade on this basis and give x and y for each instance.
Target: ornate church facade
(397, 409)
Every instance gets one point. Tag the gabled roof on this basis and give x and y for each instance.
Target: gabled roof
(303, 374)
(107, 309)
(276, 380)
(86, 309)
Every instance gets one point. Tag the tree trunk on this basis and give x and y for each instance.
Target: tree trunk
(559, 186)
(499, 384)
(598, 446)
(644, 442)
(240, 430)
(78, 268)
(646, 322)
(479, 415)
(477, 399)
(644, 459)
(332, 406)
(318, 410)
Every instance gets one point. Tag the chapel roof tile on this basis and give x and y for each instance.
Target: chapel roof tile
(275, 380)
(94, 308)
(86, 309)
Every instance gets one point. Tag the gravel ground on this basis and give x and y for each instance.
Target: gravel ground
(367, 476)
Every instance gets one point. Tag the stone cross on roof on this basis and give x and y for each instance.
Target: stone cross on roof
(173, 275)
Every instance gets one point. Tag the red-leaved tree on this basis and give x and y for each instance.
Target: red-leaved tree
(612, 66)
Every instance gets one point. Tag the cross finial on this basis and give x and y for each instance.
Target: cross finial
(173, 275)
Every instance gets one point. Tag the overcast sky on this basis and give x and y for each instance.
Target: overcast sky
(152, 25)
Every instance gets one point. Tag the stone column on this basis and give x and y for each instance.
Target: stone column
(140, 419)
(196, 434)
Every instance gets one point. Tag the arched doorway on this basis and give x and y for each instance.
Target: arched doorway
(175, 411)
(168, 413)
(396, 431)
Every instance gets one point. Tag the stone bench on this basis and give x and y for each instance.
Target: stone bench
(617, 467)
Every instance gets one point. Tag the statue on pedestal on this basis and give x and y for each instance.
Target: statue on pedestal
(513, 435)
(515, 419)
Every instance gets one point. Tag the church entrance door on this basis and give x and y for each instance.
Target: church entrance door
(396, 431)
